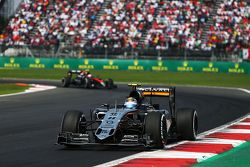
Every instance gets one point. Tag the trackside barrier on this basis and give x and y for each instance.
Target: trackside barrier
(134, 65)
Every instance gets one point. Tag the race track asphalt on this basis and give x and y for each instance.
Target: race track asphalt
(29, 123)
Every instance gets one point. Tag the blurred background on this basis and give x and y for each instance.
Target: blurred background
(213, 30)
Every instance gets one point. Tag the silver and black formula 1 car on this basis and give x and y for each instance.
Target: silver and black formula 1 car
(83, 78)
(136, 122)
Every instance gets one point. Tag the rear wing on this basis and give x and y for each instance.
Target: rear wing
(151, 91)
(70, 72)
(74, 71)
(157, 92)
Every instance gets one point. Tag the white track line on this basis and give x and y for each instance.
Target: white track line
(244, 90)
(228, 88)
(245, 131)
(34, 88)
(243, 123)
(234, 143)
(176, 154)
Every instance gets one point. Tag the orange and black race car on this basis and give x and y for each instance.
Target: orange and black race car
(84, 79)
(137, 121)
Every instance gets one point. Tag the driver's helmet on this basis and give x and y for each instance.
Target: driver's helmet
(130, 103)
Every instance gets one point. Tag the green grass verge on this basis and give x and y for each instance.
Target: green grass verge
(238, 156)
(11, 88)
(169, 78)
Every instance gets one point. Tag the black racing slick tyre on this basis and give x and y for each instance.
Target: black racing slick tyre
(187, 123)
(73, 121)
(86, 82)
(109, 83)
(66, 81)
(156, 129)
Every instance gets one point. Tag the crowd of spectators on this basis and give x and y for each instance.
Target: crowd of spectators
(123, 23)
(44, 22)
(231, 28)
(67, 21)
(18, 30)
(178, 24)
(161, 23)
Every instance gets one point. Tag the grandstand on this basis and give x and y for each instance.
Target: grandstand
(129, 28)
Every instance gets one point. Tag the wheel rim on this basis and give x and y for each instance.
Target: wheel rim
(195, 124)
(163, 130)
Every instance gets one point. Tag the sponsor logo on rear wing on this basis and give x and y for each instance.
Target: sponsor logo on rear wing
(75, 71)
(156, 91)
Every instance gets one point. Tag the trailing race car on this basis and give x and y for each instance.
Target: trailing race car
(83, 78)
(136, 122)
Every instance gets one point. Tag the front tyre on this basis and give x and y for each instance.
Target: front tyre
(187, 123)
(73, 121)
(156, 129)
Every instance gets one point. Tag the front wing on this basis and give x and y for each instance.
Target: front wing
(78, 139)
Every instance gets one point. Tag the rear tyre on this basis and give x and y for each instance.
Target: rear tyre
(156, 128)
(109, 83)
(86, 82)
(187, 123)
(66, 81)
